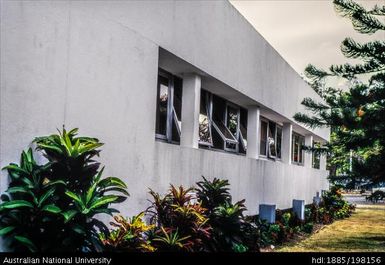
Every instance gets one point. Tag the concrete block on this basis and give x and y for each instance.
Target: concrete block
(317, 200)
(267, 212)
(299, 208)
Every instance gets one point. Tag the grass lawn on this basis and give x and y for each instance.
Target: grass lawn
(363, 231)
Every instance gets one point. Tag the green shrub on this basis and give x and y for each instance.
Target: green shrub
(308, 227)
(177, 216)
(376, 196)
(129, 235)
(230, 229)
(52, 207)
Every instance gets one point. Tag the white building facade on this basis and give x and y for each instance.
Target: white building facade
(175, 89)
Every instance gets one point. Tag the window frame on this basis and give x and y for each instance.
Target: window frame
(316, 156)
(301, 143)
(218, 122)
(267, 145)
(236, 137)
(277, 126)
(209, 110)
(171, 112)
(262, 119)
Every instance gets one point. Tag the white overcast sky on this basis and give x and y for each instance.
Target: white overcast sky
(304, 31)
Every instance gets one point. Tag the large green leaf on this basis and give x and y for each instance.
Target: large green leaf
(51, 208)
(50, 147)
(103, 201)
(79, 229)
(6, 230)
(75, 197)
(112, 181)
(125, 192)
(45, 196)
(18, 189)
(16, 168)
(68, 215)
(16, 204)
(27, 242)
(55, 182)
(108, 211)
(92, 189)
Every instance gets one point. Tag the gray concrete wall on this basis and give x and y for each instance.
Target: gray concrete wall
(93, 65)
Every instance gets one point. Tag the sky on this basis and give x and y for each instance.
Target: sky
(304, 31)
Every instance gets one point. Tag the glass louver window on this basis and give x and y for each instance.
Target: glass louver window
(169, 107)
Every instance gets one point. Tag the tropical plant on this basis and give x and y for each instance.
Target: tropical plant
(52, 207)
(169, 240)
(308, 227)
(28, 212)
(213, 193)
(129, 235)
(230, 229)
(179, 212)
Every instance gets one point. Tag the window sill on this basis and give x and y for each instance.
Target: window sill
(204, 147)
(166, 142)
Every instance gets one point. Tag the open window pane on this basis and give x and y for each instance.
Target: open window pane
(263, 142)
(271, 140)
(316, 156)
(295, 148)
(232, 120)
(177, 110)
(301, 142)
(297, 145)
(176, 130)
(243, 130)
(178, 99)
(279, 142)
(169, 107)
(242, 138)
(163, 97)
(225, 134)
(205, 136)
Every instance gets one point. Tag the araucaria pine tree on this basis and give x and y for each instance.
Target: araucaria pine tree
(356, 115)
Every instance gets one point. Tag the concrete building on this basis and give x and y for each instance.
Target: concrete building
(175, 90)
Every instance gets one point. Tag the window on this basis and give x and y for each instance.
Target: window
(243, 131)
(221, 125)
(297, 148)
(205, 135)
(263, 143)
(271, 139)
(225, 123)
(316, 156)
(279, 142)
(169, 107)
(232, 124)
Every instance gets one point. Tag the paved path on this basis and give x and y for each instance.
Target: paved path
(360, 200)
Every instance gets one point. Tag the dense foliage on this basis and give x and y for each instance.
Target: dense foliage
(52, 207)
(230, 229)
(356, 113)
(332, 207)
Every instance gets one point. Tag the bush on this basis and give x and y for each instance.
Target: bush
(52, 207)
(376, 196)
(230, 229)
(308, 227)
(129, 235)
(177, 215)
